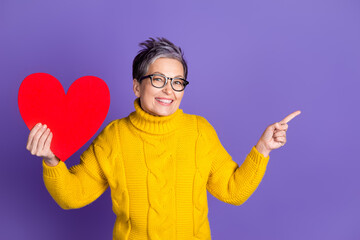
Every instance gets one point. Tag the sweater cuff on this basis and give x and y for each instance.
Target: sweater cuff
(258, 158)
(53, 172)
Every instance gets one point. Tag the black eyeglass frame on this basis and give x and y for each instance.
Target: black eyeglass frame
(166, 80)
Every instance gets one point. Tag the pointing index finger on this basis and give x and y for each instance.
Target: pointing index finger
(289, 117)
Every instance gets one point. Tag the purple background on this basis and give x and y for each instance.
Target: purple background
(250, 64)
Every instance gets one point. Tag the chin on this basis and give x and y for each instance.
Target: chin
(164, 113)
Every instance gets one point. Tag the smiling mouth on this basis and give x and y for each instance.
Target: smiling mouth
(164, 101)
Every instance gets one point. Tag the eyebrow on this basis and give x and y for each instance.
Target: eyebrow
(181, 76)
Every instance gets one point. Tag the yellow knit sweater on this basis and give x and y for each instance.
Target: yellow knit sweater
(158, 170)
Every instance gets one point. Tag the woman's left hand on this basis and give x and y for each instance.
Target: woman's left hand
(274, 135)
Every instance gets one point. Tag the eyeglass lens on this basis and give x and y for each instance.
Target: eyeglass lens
(159, 82)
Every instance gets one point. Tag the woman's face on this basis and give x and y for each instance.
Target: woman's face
(160, 101)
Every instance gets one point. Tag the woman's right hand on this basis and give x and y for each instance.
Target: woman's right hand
(39, 142)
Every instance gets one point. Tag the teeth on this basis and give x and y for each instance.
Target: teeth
(164, 100)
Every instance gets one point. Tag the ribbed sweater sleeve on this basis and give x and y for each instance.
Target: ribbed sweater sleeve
(83, 183)
(228, 181)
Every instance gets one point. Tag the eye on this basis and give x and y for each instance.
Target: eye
(178, 82)
(157, 78)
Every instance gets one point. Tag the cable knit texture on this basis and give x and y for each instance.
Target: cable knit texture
(158, 170)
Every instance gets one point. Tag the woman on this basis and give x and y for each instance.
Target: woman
(158, 161)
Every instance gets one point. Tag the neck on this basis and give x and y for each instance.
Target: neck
(154, 124)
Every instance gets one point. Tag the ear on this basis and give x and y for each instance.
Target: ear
(136, 87)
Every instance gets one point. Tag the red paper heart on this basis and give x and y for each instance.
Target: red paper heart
(73, 118)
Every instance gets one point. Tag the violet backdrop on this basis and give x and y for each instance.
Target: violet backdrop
(250, 64)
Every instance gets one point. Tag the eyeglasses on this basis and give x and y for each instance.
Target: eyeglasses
(159, 81)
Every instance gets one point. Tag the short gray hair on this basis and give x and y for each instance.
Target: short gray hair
(153, 49)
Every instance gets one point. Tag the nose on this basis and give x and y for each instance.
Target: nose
(167, 88)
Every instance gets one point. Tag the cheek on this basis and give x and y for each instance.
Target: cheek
(179, 96)
(146, 91)
(148, 95)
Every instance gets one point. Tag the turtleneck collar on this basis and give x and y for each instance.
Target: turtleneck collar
(154, 124)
